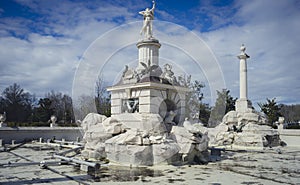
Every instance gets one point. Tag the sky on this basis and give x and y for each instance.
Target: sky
(64, 45)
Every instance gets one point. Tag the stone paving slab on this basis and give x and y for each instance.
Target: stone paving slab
(271, 166)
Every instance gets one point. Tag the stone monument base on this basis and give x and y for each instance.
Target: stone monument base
(141, 140)
(245, 130)
(243, 105)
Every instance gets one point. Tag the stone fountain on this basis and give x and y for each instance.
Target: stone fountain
(148, 125)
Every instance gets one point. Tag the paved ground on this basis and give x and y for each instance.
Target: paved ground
(271, 166)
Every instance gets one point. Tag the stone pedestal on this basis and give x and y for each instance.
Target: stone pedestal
(152, 98)
(148, 51)
(243, 105)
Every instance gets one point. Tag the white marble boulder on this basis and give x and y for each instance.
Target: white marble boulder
(192, 142)
(138, 149)
(247, 130)
(97, 129)
(141, 140)
(239, 119)
(144, 143)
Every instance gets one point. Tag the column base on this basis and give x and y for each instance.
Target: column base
(243, 105)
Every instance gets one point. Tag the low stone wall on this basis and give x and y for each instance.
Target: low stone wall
(19, 134)
(290, 136)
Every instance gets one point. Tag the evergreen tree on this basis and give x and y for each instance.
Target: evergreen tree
(17, 103)
(44, 111)
(271, 109)
(204, 114)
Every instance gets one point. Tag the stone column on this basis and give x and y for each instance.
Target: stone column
(243, 73)
(148, 51)
(243, 104)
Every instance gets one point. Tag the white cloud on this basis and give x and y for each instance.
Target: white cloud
(42, 54)
(271, 35)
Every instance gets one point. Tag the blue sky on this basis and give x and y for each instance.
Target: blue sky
(42, 41)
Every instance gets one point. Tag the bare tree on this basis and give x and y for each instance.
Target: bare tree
(102, 99)
(61, 104)
(83, 105)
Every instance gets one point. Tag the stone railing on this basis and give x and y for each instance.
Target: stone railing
(19, 134)
(290, 136)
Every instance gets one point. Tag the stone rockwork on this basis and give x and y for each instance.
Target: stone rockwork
(97, 129)
(141, 140)
(245, 130)
(193, 145)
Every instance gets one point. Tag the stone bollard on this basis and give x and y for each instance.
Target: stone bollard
(13, 142)
(63, 141)
(78, 139)
(1, 142)
(41, 139)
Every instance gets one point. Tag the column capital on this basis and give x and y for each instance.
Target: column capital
(243, 56)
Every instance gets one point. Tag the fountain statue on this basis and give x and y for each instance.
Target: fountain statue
(147, 114)
(148, 17)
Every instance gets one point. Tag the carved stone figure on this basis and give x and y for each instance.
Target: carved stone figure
(128, 74)
(131, 105)
(184, 81)
(169, 120)
(168, 74)
(53, 120)
(170, 117)
(2, 119)
(148, 68)
(125, 71)
(148, 17)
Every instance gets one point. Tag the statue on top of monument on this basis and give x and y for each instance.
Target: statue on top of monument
(148, 17)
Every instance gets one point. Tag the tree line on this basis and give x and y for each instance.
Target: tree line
(212, 116)
(24, 109)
